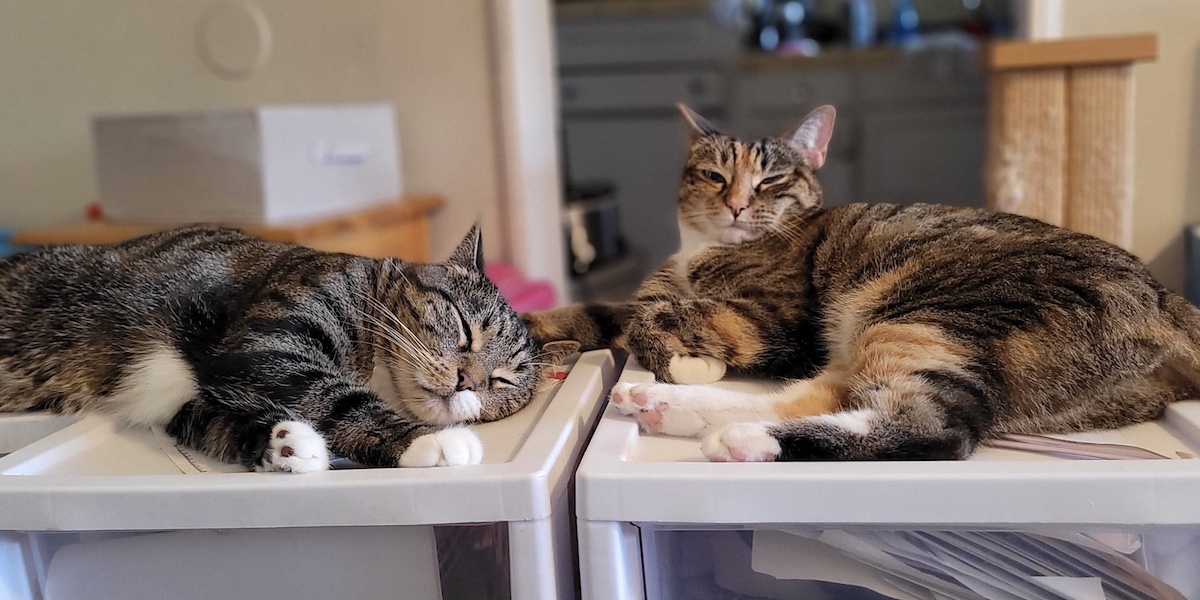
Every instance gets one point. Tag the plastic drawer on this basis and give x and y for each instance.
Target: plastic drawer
(97, 510)
(658, 521)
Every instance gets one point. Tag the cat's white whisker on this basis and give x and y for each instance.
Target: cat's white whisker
(396, 320)
(402, 345)
(398, 338)
(391, 351)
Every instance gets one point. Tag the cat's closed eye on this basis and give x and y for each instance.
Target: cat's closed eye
(713, 176)
(770, 181)
(502, 378)
(464, 330)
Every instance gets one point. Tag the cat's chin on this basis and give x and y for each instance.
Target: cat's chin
(459, 407)
(735, 235)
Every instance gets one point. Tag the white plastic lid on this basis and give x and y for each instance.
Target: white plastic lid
(94, 474)
(627, 475)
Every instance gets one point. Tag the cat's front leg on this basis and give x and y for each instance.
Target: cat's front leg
(673, 365)
(594, 326)
(294, 447)
(360, 427)
(658, 337)
(244, 428)
(449, 447)
(694, 340)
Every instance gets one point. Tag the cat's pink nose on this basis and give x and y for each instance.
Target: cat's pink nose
(737, 205)
(465, 382)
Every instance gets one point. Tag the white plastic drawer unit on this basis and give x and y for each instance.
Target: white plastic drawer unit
(657, 521)
(92, 510)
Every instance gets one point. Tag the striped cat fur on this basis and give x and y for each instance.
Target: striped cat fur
(267, 354)
(911, 332)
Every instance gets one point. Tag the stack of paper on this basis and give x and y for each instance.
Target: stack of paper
(963, 565)
(1077, 449)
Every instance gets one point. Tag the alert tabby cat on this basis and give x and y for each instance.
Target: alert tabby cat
(913, 332)
(268, 354)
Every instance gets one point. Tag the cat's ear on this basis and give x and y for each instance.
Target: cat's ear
(469, 252)
(811, 138)
(700, 125)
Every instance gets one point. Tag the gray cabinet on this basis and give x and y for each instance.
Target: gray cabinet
(932, 156)
(643, 158)
(924, 128)
(623, 129)
(911, 128)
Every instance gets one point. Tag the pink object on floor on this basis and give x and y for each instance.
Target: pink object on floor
(523, 294)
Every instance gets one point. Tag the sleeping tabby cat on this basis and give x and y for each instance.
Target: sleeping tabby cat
(919, 330)
(267, 354)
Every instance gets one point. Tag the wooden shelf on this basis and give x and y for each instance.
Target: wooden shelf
(1091, 51)
(399, 230)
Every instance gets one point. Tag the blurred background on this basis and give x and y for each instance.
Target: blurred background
(551, 123)
(906, 78)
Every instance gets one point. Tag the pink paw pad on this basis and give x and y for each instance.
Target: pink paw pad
(618, 397)
(651, 420)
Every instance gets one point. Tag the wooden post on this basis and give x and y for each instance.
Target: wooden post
(1061, 140)
(1027, 144)
(1100, 156)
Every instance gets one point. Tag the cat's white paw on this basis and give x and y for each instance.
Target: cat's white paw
(660, 408)
(450, 447)
(696, 369)
(295, 447)
(621, 397)
(741, 442)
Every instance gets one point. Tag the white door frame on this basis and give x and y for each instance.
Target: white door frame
(1039, 19)
(526, 109)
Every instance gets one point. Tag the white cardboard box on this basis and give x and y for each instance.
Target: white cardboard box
(100, 511)
(270, 164)
(652, 512)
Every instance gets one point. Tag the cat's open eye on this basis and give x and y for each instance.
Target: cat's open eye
(713, 176)
(769, 181)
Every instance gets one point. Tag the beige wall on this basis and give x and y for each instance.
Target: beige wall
(1167, 121)
(63, 61)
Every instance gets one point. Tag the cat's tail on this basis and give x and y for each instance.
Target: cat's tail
(885, 437)
(838, 437)
(594, 326)
(926, 414)
(1183, 339)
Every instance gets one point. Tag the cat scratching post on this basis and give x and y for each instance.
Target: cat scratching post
(1061, 131)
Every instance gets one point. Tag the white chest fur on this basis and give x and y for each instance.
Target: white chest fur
(383, 385)
(155, 387)
(691, 243)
